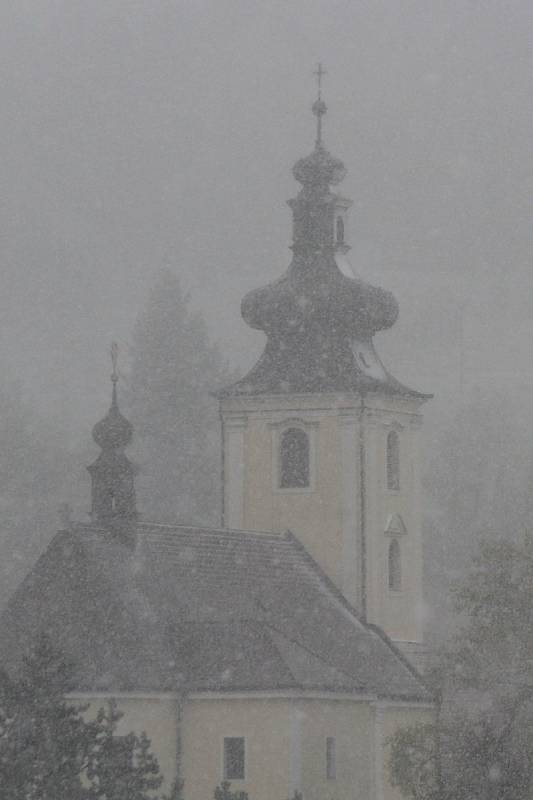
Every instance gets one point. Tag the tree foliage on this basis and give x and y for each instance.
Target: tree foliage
(120, 767)
(44, 742)
(175, 370)
(412, 762)
(482, 744)
(224, 792)
(51, 750)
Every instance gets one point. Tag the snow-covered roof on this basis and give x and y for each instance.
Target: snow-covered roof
(199, 609)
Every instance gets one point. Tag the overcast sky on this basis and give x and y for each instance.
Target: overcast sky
(141, 134)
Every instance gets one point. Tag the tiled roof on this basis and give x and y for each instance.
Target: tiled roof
(199, 609)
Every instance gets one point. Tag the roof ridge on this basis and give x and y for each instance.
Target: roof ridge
(394, 647)
(144, 524)
(208, 529)
(309, 651)
(42, 559)
(276, 648)
(336, 592)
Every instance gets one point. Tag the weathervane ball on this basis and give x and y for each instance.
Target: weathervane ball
(319, 108)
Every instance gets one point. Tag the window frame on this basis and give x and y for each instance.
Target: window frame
(394, 575)
(225, 774)
(339, 229)
(395, 486)
(278, 429)
(331, 758)
(303, 441)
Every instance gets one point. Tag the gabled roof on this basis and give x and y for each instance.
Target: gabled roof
(199, 609)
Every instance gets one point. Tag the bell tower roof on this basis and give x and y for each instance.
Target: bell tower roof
(318, 317)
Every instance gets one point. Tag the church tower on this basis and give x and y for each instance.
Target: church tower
(319, 438)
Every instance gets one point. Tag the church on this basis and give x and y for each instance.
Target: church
(281, 650)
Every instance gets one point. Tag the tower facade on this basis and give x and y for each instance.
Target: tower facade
(319, 437)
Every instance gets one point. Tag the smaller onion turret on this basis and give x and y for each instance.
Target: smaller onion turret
(114, 431)
(112, 474)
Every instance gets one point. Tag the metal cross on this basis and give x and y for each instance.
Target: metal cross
(319, 72)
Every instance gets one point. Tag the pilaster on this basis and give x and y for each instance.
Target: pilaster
(234, 470)
(379, 759)
(351, 541)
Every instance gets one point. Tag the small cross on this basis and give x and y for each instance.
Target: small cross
(319, 73)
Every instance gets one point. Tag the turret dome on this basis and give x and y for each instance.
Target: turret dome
(114, 431)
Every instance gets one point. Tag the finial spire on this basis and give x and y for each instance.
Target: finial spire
(114, 374)
(319, 107)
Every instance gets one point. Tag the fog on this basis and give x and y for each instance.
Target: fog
(137, 135)
(144, 141)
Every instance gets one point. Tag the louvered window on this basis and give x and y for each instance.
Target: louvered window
(294, 459)
(393, 461)
(395, 566)
(331, 762)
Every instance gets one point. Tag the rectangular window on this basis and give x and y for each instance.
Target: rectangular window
(234, 758)
(331, 763)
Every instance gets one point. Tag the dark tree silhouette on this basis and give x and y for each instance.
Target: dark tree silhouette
(480, 746)
(51, 750)
(175, 370)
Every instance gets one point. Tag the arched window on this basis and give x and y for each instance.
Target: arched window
(294, 459)
(393, 461)
(395, 566)
(339, 230)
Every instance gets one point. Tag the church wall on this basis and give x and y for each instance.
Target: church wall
(286, 746)
(397, 611)
(285, 741)
(350, 724)
(266, 726)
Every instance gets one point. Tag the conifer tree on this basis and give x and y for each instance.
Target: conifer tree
(120, 767)
(44, 741)
(480, 745)
(175, 369)
(51, 750)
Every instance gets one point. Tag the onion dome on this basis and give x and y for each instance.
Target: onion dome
(320, 169)
(320, 299)
(318, 317)
(114, 431)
